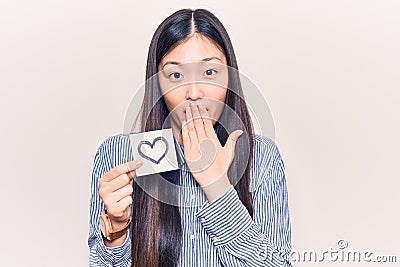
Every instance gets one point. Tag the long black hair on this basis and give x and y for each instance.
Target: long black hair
(156, 229)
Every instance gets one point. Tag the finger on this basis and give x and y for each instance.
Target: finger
(198, 123)
(121, 169)
(118, 209)
(231, 142)
(124, 203)
(118, 182)
(190, 127)
(185, 136)
(121, 193)
(134, 165)
(208, 126)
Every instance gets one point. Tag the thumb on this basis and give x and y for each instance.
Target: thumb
(231, 142)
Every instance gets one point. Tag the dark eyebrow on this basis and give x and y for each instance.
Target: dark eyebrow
(177, 63)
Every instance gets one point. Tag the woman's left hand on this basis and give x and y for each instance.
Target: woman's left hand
(207, 160)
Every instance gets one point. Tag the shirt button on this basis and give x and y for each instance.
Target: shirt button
(192, 237)
(202, 220)
(192, 196)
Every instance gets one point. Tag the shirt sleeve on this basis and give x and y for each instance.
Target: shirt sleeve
(100, 255)
(263, 240)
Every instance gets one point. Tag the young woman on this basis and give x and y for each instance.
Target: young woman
(235, 211)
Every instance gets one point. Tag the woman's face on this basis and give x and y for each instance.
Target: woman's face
(194, 71)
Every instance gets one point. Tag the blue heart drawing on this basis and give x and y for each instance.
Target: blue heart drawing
(159, 138)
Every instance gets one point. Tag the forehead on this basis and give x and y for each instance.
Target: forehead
(196, 48)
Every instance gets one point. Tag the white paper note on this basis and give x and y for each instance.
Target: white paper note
(156, 149)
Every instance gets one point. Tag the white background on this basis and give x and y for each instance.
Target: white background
(329, 70)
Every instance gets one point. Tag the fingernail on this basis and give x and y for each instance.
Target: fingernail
(138, 163)
(237, 135)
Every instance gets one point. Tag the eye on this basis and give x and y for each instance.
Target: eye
(210, 72)
(175, 76)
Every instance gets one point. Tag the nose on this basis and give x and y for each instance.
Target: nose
(194, 91)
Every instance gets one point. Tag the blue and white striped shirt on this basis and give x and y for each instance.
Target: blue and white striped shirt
(219, 234)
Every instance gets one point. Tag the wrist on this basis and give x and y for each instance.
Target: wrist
(112, 229)
(116, 242)
(118, 225)
(217, 188)
(119, 222)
